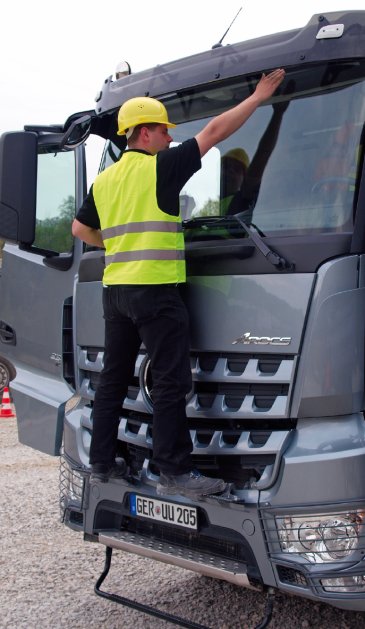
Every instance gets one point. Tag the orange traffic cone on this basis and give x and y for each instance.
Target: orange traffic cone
(6, 409)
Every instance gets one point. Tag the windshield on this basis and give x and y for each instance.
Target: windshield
(292, 169)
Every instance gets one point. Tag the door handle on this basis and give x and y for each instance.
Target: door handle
(7, 334)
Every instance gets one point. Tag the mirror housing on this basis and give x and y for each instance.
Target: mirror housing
(18, 186)
(77, 133)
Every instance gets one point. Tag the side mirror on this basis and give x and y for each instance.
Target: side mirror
(18, 186)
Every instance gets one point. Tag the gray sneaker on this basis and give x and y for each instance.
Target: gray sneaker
(192, 485)
(103, 472)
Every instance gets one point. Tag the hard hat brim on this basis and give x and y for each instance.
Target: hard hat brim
(169, 125)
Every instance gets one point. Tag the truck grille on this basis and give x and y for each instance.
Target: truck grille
(231, 386)
(240, 386)
(237, 411)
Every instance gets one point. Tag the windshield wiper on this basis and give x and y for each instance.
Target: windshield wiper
(203, 220)
(255, 234)
(271, 256)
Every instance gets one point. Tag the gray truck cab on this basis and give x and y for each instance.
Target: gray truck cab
(275, 240)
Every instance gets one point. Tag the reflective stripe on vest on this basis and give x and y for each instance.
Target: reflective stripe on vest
(143, 226)
(143, 244)
(145, 254)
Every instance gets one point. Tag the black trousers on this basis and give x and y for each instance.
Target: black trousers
(156, 316)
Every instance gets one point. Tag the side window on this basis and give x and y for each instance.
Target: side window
(55, 201)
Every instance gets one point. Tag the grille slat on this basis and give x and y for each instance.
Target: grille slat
(230, 386)
(251, 370)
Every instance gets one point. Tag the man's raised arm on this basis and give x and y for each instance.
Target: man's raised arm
(222, 126)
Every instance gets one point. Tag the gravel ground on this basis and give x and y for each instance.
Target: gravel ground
(48, 572)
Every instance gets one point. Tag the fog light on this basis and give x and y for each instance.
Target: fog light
(345, 584)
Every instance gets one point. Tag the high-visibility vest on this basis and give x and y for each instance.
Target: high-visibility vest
(143, 244)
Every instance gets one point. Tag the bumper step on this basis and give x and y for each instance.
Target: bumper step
(203, 563)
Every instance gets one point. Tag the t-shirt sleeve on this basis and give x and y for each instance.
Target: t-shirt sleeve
(175, 166)
(87, 214)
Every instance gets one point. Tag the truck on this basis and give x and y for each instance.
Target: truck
(276, 298)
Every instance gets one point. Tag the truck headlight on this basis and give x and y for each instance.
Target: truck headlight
(321, 538)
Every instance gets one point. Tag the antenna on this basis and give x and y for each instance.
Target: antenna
(219, 44)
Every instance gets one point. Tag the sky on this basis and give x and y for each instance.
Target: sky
(55, 56)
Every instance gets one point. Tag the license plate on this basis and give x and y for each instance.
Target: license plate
(162, 511)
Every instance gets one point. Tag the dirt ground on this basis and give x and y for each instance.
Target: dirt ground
(48, 572)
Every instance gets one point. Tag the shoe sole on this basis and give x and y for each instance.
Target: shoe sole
(161, 490)
(101, 479)
(94, 479)
(105, 478)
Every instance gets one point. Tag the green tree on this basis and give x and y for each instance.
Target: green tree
(54, 234)
(210, 208)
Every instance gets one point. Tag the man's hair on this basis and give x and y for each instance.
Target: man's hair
(137, 130)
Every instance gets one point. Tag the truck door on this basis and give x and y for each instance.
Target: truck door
(37, 275)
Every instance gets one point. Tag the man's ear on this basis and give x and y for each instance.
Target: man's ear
(144, 134)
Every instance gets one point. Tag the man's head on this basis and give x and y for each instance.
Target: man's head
(151, 137)
(234, 167)
(145, 122)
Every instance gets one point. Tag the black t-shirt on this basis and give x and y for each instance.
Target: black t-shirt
(174, 167)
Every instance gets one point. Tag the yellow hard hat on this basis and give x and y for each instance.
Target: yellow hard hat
(141, 110)
(238, 154)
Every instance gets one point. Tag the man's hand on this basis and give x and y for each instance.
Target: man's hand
(222, 126)
(268, 84)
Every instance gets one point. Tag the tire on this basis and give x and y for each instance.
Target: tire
(7, 372)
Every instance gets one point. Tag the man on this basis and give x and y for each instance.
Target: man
(133, 211)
